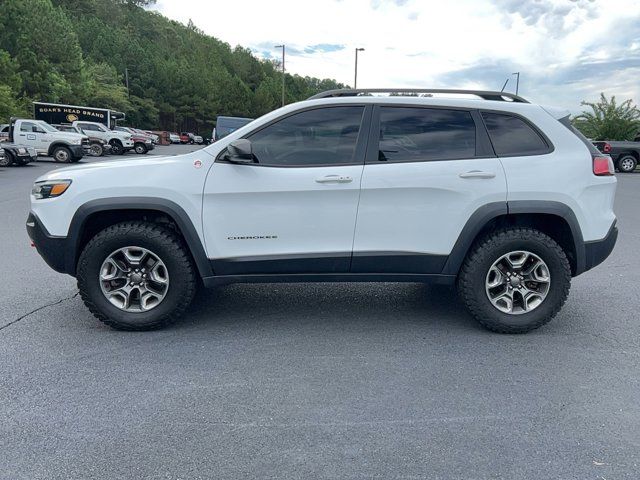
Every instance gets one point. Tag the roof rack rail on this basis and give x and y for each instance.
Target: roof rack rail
(484, 94)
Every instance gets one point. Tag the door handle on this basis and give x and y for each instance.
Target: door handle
(334, 179)
(477, 174)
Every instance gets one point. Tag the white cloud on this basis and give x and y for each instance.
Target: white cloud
(466, 43)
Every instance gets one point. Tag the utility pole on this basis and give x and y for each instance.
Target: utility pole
(355, 76)
(126, 79)
(282, 47)
(517, 80)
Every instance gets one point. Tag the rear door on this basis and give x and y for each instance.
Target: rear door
(427, 171)
(294, 210)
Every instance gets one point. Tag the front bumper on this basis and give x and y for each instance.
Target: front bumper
(53, 250)
(77, 151)
(597, 251)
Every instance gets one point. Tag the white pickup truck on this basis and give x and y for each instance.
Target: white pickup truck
(120, 141)
(47, 140)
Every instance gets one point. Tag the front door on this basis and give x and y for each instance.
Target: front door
(294, 209)
(31, 135)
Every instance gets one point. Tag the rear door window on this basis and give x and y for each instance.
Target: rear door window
(512, 136)
(409, 134)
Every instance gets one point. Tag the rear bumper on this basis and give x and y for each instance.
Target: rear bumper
(597, 251)
(54, 250)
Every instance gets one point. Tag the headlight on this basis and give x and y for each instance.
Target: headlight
(50, 188)
(77, 142)
(22, 150)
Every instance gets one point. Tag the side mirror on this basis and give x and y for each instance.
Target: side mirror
(239, 151)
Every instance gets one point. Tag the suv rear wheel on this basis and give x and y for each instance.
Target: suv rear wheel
(515, 280)
(136, 276)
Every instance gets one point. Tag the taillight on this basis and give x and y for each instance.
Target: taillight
(606, 148)
(602, 165)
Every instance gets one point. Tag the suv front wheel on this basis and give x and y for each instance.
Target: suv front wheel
(515, 280)
(136, 276)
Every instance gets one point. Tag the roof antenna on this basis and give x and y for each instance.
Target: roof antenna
(505, 84)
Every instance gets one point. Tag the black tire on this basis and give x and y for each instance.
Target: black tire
(140, 148)
(626, 163)
(473, 275)
(116, 147)
(164, 243)
(7, 160)
(62, 155)
(96, 150)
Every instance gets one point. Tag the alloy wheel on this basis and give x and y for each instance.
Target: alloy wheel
(134, 279)
(518, 282)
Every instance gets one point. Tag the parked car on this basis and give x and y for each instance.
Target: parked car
(226, 125)
(501, 197)
(47, 140)
(191, 138)
(97, 146)
(4, 132)
(625, 155)
(13, 154)
(154, 138)
(120, 141)
(142, 142)
(174, 137)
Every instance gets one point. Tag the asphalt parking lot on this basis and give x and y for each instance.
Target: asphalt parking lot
(317, 380)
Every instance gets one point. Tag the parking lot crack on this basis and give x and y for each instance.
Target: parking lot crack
(22, 317)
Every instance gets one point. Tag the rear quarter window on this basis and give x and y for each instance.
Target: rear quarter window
(512, 136)
(592, 148)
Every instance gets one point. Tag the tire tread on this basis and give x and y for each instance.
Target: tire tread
(484, 247)
(154, 231)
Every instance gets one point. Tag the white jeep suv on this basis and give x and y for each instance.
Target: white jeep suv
(479, 189)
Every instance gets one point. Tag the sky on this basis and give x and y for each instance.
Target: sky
(565, 50)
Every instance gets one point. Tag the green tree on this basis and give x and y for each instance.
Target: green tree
(609, 121)
(77, 51)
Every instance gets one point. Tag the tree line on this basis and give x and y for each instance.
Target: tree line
(77, 52)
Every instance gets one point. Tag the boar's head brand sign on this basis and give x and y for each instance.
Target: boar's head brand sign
(54, 113)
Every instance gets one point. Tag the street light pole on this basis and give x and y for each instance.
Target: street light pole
(355, 76)
(517, 74)
(282, 47)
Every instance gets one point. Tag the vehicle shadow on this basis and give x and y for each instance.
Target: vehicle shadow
(327, 303)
